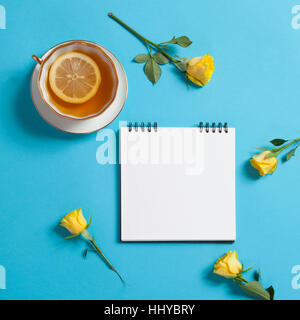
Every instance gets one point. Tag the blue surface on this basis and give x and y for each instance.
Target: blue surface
(46, 173)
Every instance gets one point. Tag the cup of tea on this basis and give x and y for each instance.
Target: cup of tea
(77, 79)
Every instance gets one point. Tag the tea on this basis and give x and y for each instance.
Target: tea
(74, 77)
(103, 96)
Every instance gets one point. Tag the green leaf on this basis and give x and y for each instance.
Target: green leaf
(271, 292)
(187, 81)
(152, 70)
(255, 289)
(85, 252)
(160, 58)
(290, 154)
(278, 142)
(245, 270)
(141, 58)
(182, 41)
(257, 275)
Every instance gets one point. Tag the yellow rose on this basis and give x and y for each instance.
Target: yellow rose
(200, 69)
(74, 222)
(264, 164)
(228, 266)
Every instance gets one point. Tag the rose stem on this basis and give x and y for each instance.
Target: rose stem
(103, 256)
(289, 144)
(142, 38)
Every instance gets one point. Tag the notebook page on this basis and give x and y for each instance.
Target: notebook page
(177, 184)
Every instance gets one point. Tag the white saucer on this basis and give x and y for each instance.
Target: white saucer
(87, 125)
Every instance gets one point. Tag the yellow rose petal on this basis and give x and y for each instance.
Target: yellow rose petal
(200, 69)
(74, 222)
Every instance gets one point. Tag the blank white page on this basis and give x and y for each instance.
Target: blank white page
(177, 184)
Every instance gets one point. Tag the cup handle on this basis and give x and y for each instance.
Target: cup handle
(37, 59)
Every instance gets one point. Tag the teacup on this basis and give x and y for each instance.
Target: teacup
(105, 94)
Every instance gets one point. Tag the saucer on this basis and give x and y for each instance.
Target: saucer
(87, 125)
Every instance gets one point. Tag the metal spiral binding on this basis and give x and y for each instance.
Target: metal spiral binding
(213, 127)
(142, 126)
(203, 127)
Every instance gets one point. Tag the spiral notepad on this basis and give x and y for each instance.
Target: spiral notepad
(177, 184)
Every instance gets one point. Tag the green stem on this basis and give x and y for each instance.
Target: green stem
(93, 242)
(278, 150)
(149, 48)
(240, 279)
(143, 38)
(243, 279)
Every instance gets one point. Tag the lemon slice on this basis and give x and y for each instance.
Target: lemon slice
(74, 77)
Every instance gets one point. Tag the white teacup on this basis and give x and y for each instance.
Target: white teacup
(107, 89)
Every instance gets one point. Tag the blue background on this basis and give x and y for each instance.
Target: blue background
(46, 173)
